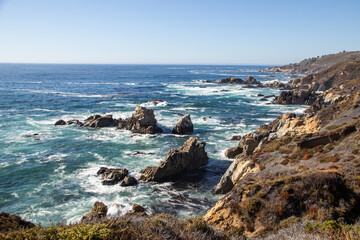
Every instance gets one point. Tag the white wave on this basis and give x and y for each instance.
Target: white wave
(65, 93)
(154, 104)
(92, 83)
(131, 84)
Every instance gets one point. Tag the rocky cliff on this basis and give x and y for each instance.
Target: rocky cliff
(298, 167)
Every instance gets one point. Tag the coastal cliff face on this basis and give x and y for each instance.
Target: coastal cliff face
(302, 167)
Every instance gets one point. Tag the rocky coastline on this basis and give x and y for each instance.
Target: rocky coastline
(295, 169)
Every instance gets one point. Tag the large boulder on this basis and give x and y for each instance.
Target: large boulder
(97, 121)
(184, 125)
(60, 122)
(98, 212)
(112, 176)
(142, 121)
(296, 96)
(189, 157)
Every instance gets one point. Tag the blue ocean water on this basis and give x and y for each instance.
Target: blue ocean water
(48, 173)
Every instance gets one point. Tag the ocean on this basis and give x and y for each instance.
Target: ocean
(48, 173)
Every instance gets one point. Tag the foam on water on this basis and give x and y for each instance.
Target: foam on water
(48, 173)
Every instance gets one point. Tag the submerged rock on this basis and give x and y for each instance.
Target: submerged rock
(112, 176)
(99, 211)
(184, 125)
(190, 156)
(142, 121)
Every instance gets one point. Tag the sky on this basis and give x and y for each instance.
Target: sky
(244, 32)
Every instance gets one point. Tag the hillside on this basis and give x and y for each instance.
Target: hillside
(317, 64)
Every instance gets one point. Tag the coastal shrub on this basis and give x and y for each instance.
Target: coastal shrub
(333, 127)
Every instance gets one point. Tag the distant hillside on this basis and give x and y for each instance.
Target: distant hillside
(345, 73)
(316, 64)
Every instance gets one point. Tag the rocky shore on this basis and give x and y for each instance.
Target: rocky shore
(296, 169)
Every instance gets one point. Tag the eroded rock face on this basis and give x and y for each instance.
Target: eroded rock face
(99, 211)
(296, 96)
(190, 156)
(112, 176)
(184, 125)
(142, 121)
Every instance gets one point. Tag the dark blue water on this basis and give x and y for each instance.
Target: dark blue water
(48, 173)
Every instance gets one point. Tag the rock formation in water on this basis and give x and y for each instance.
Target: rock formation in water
(184, 125)
(142, 121)
(111, 176)
(189, 157)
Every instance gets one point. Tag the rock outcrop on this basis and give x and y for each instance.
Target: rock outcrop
(142, 121)
(98, 212)
(184, 125)
(128, 181)
(231, 80)
(274, 84)
(189, 157)
(98, 121)
(111, 176)
(252, 80)
(296, 96)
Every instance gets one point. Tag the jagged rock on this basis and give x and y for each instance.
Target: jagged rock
(296, 96)
(274, 84)
(232, 152)
(156, 102)
(231, 80)
(97, 121)
(112, 176)
(142, 121)
(13, 222)
(252, 80)
(99, 211)
(190, 156)
(184, 125)
(60, 122)
(128, 181)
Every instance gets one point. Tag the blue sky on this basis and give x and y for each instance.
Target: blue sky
(176, 32)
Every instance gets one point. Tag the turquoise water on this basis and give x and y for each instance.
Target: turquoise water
(48, 173)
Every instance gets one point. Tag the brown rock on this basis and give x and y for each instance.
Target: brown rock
(98, 121)
(184, 125)
(232, 152)
(190, 156)
(99, 211)
(296, 96)
(231, 80)
(112, 176)
(128, 181)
